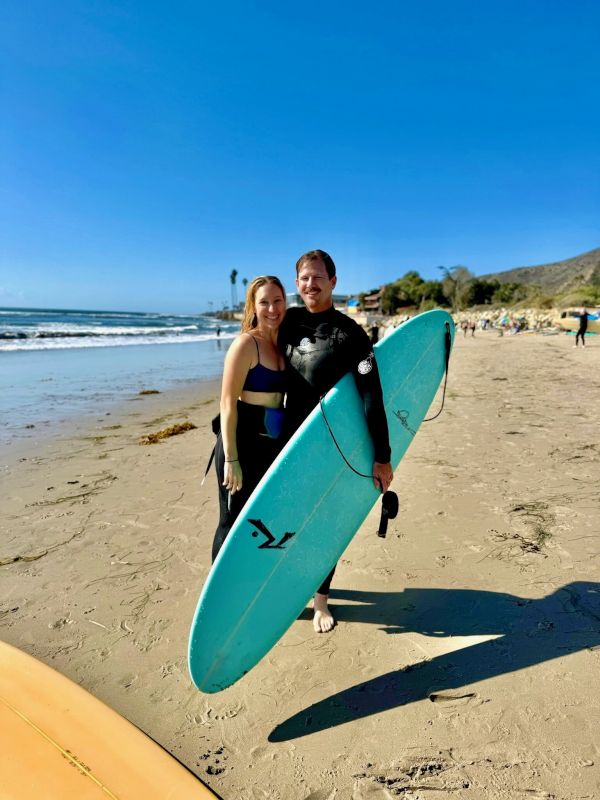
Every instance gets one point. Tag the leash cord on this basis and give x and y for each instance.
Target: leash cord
(448, 341)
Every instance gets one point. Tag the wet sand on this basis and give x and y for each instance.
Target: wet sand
(465, 663)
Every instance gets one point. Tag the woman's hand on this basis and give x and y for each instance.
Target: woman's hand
(232, 476)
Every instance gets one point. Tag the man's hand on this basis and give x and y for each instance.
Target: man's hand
(382, 476)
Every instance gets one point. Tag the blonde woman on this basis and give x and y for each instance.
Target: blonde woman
(251, 402)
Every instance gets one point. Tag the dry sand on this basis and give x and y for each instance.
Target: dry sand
(466, 660)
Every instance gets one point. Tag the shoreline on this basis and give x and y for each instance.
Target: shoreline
(37, 440)
(45, 392)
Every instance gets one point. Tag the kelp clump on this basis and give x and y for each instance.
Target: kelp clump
(173, 430)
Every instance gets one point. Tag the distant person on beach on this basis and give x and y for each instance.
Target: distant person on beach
(320, 345)
(472, 327)
(218, 331)
(251, 420)
(583, 323)
(465, 327)
(374, 334)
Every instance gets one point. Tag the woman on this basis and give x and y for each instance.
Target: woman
(251, 402)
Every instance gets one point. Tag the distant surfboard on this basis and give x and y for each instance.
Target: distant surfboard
(61, 743)
(308, 506)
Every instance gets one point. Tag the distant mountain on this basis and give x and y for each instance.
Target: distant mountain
(555, 278)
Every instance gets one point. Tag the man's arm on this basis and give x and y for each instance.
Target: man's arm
(366, 377)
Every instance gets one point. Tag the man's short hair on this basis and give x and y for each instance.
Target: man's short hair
(317, 255)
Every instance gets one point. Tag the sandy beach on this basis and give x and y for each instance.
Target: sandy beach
(466, 659)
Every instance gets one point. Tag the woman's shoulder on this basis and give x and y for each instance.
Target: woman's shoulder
(246, 339)
(243, 346)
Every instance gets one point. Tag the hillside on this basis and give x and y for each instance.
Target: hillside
(557, 277)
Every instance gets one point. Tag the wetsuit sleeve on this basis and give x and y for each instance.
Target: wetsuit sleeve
(366, 376)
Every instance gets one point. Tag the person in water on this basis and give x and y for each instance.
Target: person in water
(320, 345)
(251, 402)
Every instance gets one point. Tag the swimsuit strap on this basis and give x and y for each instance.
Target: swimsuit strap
(257, 350)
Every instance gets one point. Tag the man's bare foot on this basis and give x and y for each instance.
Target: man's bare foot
(323, 620)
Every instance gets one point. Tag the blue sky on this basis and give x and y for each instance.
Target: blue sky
(150, 148)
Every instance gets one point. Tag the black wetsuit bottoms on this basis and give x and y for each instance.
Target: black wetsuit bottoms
(583, 323)
(256, 452)
(581, 333)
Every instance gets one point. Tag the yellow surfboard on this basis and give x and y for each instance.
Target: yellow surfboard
(58, 742)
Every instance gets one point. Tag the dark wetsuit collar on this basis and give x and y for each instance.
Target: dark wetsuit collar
(320, 316)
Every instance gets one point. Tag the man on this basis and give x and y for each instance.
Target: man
(321, 345)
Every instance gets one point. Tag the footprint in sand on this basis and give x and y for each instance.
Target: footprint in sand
(128, 680)
(209, 715)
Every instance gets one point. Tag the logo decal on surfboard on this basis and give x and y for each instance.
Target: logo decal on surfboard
(403, 417)
(270, 543)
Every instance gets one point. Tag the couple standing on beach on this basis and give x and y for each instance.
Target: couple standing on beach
(297, 357)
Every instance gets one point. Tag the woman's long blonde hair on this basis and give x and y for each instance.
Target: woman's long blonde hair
(249, 320)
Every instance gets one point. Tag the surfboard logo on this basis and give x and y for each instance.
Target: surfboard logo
(403, 417)
(271, 542)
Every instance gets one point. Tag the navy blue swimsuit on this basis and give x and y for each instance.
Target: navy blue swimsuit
(263, 379)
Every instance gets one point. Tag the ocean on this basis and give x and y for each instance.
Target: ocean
(56, 364)
(55, 329)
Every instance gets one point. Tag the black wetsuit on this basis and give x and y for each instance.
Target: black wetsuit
(583, 323)
(319, 349)
(257, 449)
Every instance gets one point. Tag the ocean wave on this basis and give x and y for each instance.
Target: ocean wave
(66, 331)
(66, 343)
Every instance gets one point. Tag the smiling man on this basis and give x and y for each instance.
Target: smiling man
(321, 345)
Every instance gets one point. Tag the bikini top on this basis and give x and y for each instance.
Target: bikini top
(263, 379)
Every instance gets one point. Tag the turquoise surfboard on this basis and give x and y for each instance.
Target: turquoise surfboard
(308, 506)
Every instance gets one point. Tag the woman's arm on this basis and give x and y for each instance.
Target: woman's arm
(237, 363)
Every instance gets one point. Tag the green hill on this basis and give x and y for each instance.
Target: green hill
(556, 278)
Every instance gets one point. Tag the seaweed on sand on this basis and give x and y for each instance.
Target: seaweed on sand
(173, 430)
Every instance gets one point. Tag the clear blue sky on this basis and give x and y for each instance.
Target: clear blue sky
(148, 148)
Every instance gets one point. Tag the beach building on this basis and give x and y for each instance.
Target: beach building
(372, 302)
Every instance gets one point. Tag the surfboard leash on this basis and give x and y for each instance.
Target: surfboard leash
(389, 499)
(448, 343)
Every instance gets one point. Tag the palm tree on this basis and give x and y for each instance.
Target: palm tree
(232, 278)
(455, 282)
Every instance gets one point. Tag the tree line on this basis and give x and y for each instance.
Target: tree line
(459, 289)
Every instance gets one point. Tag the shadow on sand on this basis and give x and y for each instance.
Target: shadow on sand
(530, 632)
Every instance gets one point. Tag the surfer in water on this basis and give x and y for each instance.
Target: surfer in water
(321, 345)
(251, 402)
